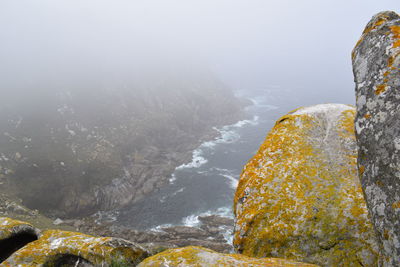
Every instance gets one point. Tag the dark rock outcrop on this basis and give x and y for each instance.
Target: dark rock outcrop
(376, 67)
(300, 198)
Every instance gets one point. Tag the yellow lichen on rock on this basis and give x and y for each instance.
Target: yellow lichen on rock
(300, 198)
(54, 244)
(9, 227)
(199, 257)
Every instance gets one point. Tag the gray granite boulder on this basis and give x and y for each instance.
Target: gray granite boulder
(376, 62)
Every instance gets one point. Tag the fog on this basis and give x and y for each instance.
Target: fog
(302, 46)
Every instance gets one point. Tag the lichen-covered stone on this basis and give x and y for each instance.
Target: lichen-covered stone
(300, 198)
(10, 227)
(199, 257)
(99, 251)
(376, 62)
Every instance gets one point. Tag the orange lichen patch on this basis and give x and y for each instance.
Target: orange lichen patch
(379, 183)
(386, 235)
(197, 256)
(395, 29)
(361, 170)
(52, 243)
(380, 89)
(367, 116)
(300, 198)
(370, 27)
(396, 205)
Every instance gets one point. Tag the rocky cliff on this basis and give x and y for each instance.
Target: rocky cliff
(71, 148)
(300, 198)
(376, 66)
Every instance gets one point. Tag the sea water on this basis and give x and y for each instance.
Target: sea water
(206, 185)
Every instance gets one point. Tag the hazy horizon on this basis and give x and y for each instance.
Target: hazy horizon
(303, 46)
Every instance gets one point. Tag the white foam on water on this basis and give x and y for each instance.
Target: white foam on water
(159, 228)
(172, 179)
(242, 123)
(227, 134)
(233, 181)
(197, 160)
(162, 200)
(193, 220)
(227, 233)
(228, 174)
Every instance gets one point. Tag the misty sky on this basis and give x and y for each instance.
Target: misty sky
(300, 45)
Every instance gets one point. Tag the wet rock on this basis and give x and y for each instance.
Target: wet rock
(376, 67)
(300, 198)
(215, 220)
(185, 231)
(202, 257)
(55, 247)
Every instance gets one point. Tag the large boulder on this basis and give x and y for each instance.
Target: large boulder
(23, 245)
(376, 66)
(202, 257)
(300, 198)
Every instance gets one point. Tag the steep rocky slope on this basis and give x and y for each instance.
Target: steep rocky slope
(299, 197)
(73, 147)
(376, 66)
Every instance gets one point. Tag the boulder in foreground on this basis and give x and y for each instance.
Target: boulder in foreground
(55, 248)
(300, 198)
(202, 257)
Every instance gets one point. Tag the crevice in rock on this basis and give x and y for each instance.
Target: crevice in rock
(67, 260)
(10, 245)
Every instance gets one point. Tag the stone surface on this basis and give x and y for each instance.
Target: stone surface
(376, 62)
(202, 257)
(96, 250)
(56, 247)
(300, 198)
(14, 235)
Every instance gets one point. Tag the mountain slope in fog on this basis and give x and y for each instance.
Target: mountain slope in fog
(73, 148)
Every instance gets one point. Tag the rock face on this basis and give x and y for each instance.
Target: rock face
(78, 146)
(376, 67)
(22, 245)
(300, 198)
(202, 257)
